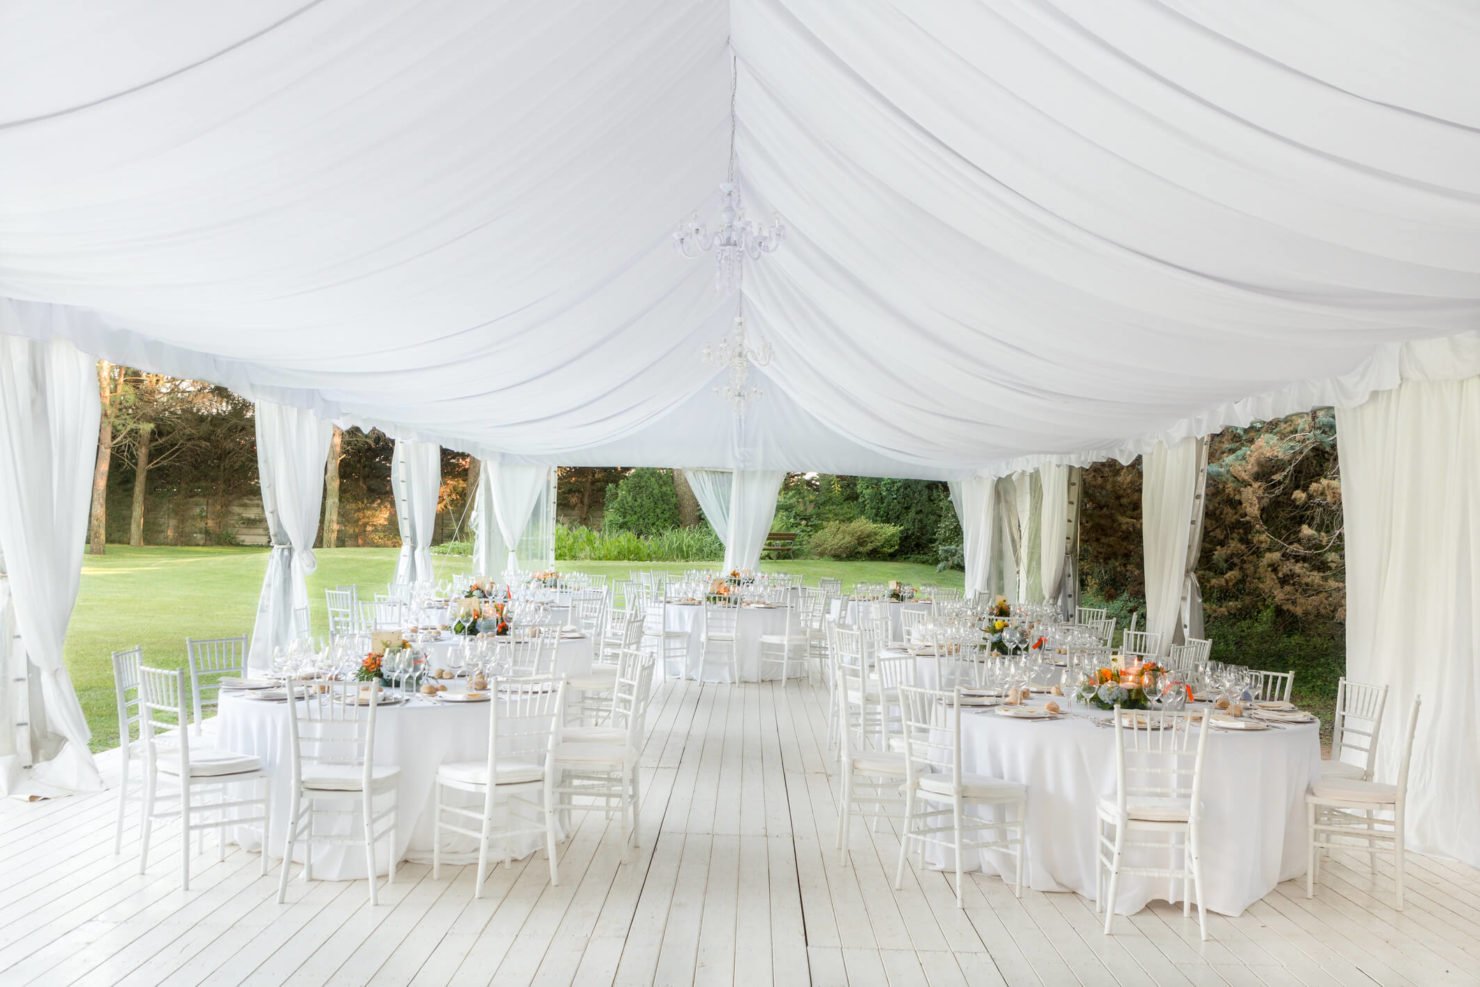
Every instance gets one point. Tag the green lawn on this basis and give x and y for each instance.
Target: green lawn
(157, 597)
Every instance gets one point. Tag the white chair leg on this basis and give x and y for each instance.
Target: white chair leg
(956, 848)
(550, 832)
(437, 841)
(904, 838)
(1114, 875)
(844, 802)
(185, 834)
(369, 830)
(293, 809)
(266, 821)
(122, 802)
(1202, 914)
(1310, 851)
(1399, 864)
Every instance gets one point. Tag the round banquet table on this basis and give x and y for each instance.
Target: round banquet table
(751, 623)
(1253, 796)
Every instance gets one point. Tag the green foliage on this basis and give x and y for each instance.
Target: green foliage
(916, 507)
(644, 503)
(856, 539)
(453, 548)
(693, 544)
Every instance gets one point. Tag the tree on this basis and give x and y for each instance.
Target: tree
(644, 503)
(330, 534)
(110, 382)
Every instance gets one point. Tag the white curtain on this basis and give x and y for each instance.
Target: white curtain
(1005, 558)
(975, 500)
(292, 449)
(1053, 532)
(1169, 512)
(752, 508)
(49, 412)
(1410, 492)
(516, 490)
(712, 491)
(490, 554)
(416, 474)
(1029, 506)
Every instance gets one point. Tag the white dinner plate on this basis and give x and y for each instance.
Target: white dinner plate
(1026, 713)
(1237, 723)
(243, 685)
(462, 697)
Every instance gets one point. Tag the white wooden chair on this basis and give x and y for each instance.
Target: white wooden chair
(1349, 813)
(211, 660)
(1158, 798)
(343, 607)
(670, 644)
(601, 770)
(1355, 729)
(938, 792)
(164, 716)
(383, 615)
(910, 621)
(1104, 629)
(982, 601)
(515, 777)
(588, 612)
(1088, 615)
(790, 645)
(719, 646)
(1141, 644)
(331, 752)
(596, 686)
(532, 652)
(1273, 686)
(854, 679)
(830, 587)
(870, 779)
(1200, 648)
(126, 694)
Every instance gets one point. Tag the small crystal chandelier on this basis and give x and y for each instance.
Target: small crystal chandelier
(735, 352)
(737, 237)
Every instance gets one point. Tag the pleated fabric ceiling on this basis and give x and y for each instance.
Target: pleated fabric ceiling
(1017, 229)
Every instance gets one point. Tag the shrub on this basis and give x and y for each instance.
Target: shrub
(644, 503)
(916, 507)
(582, 544)
(453, 548)
(856, 539)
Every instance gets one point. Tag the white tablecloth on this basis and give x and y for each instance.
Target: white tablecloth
(750, 624)
(1253, 792)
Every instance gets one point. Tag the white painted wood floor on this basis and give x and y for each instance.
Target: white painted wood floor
(737, 882)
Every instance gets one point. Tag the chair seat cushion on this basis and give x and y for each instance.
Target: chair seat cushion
(210, 762)
(592, 752)
(476, 772)
(877, 763)
(972, 786)
(1147, 808)
(1354, 790)
(346, 777)
(1341, 769)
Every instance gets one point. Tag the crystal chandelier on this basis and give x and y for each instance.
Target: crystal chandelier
(737, 236)
(735, 352)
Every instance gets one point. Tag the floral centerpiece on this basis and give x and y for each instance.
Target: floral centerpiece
(479, 590)
(1000, 608)
(545, 577)
(899, 592)
(719, 590)
(485, 618)
(741, 577)
(1129, 687)
(370, 667)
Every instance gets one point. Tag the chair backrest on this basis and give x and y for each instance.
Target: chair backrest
(1273, 685)
(532, 655)
(720, 618)
(930, 723)
(1086, 615)
(126, 693)
(342, 606)
(956, 670)
(1142, 644)
(523, 721)
(162, 710)
(1182, 660)
(1201, 648)
(830, 587)
(1159, 754)
(948, 595)
(1358, 721)
(1104, 629)
(631, 694)
(982, 600)
(910, 618)
(383, 614)
(588, 608)
(332, 722)
(211, 659)
(1402, 783)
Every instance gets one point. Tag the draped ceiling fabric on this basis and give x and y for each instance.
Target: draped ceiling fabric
(292, 450)
(416, 476)
(1072, 227)
(1410, 493)
(49, 414)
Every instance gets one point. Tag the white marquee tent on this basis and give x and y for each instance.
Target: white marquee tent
(1021, 234)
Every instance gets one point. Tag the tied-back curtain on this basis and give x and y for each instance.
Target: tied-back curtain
(292, 449)
(1170, 509)
(1004, 562)
(975, 500)
(49, 413)
(516, 489)
(1410, 494)
(752, 508)
(712, 491)
(416, 474)
(1029, 506)
(490, 554)
(1053, 531)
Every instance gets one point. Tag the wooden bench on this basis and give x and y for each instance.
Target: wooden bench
(780, 544)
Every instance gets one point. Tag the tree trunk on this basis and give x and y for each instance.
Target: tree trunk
(688, 504)
(141, 481)
(587, 488)
(97, 522)
(330, 536)
(475, 469)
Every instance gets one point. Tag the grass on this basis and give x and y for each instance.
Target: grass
(157, 597)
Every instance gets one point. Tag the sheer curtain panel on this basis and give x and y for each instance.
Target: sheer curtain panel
(752, 508)
(975, 499)
(1171, 508)
(416, 471)
(516, 490)
(292, 449)
(712, 491)
(1054, 534)
(48, 441)
(490, 554)
(1410, 494)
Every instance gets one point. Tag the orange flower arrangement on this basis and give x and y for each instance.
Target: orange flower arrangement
(369, 669)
